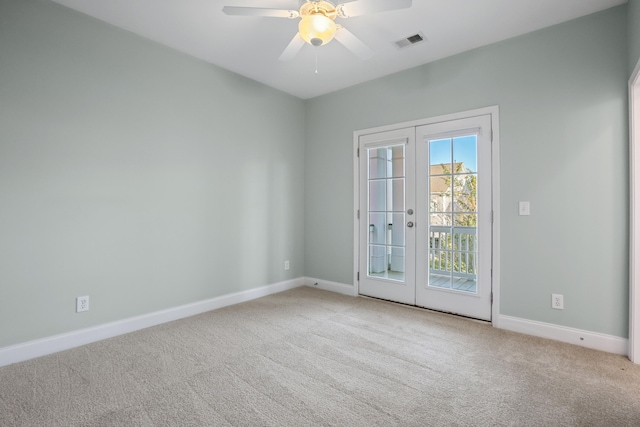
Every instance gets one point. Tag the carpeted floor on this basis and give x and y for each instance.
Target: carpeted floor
(307, 357)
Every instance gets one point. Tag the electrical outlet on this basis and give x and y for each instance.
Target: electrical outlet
(286, 264)
(557, 301)
(82, 304)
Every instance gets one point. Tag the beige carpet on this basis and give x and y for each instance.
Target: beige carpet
(307, 357)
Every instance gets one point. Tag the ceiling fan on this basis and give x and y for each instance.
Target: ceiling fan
(317, 26)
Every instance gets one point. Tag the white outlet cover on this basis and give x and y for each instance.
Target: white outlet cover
(524, 208)
(557, 301)
(82, 304)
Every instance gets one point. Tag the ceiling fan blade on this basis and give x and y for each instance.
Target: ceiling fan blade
(361, 7)
(353, 43)
(292, 49)
(259, 11)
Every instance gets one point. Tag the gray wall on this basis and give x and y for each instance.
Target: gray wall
(128, 172)
(134, 174)
(562, 94)
(634, 33)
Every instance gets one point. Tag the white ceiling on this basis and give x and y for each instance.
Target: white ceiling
(250, 46)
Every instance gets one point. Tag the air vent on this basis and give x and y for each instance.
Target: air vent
(410, 41)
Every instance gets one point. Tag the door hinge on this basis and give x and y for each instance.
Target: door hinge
(358, 152)
(491, 135)
(358, 276)
(491, 297)
(358, 213)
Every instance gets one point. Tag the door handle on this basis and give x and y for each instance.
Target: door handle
(410, 224)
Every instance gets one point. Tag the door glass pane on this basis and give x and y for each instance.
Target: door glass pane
(377, 228)
(440, 152)
(465, 220)
(440, 194)
(387, 212)
(465, 194)
(397, 194)
(439, 219)
(377, 163)
(465, 152)
(396, 224)
(378, 195)
(377, 261)
(453, 213)
(397, 161)
(396, 262)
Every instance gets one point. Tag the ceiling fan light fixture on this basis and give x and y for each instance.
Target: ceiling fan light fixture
(317, 29)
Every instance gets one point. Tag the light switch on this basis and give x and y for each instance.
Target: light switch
(524, 208)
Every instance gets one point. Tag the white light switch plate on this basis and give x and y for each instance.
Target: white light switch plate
(524, 208)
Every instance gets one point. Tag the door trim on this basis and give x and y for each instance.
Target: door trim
(495, 190)
(634, 216)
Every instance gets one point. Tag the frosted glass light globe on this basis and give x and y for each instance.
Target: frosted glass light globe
(317, 29)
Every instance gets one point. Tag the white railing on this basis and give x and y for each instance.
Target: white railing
(453, 251)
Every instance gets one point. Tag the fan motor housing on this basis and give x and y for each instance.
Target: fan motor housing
(314, 7)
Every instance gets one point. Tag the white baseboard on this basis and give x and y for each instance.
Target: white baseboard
(41, 347)
(326, 285)
(594, 340)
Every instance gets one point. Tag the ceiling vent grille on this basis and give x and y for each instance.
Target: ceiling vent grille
(410, 41)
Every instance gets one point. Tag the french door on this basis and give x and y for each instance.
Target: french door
(425, 216)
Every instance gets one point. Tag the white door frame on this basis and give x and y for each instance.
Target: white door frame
(495, 189)
(634, 217)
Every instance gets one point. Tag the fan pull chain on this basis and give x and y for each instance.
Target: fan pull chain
(316, 61)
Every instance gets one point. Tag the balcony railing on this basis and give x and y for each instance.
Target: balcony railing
(453, 251)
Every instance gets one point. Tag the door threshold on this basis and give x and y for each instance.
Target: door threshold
(416, 307)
